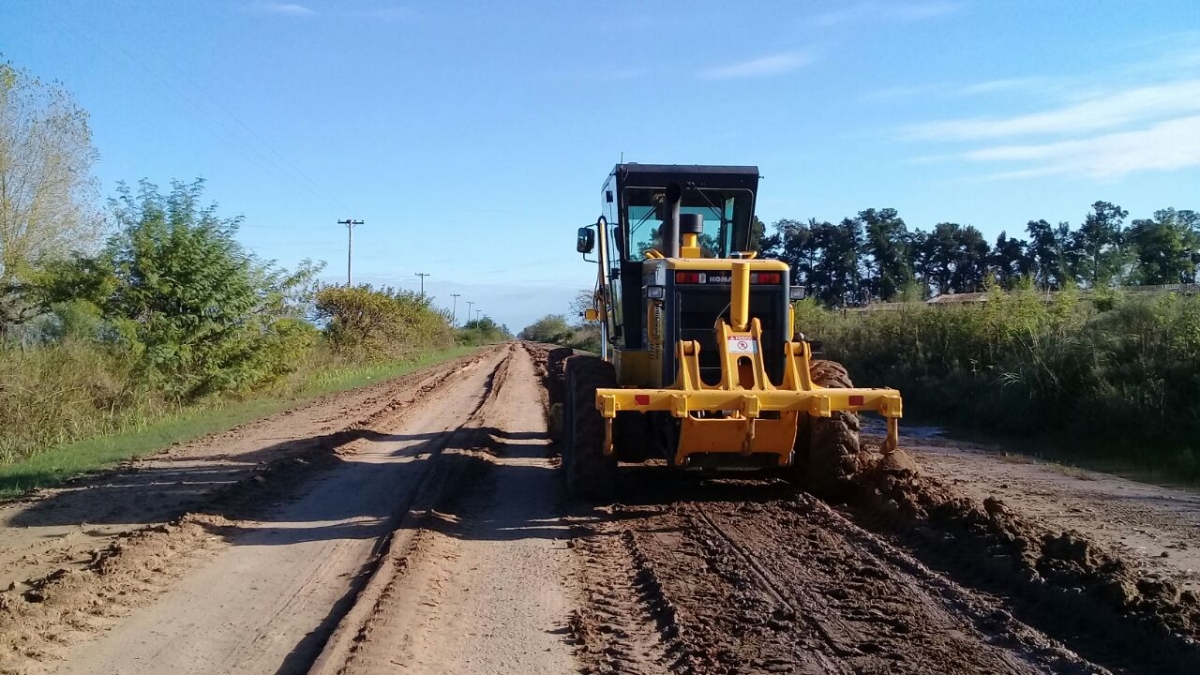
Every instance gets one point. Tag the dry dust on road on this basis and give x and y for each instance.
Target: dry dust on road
(419, 526)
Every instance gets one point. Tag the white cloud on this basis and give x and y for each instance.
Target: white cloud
(895, 10)
(392, 13)
(766, 65)
(1163, 146)
(902, 91)
(1100, 111)
(1004, 85)
(287, 9)
(383, 13)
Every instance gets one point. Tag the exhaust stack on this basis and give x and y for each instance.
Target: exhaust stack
(670, 226)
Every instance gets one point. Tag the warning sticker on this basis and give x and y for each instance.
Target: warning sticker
(742, 346)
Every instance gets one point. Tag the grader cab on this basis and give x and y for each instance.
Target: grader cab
(699, 363)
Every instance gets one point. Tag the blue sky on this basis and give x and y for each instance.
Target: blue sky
(473, 137)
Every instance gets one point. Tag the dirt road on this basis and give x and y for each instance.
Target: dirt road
(418, 526)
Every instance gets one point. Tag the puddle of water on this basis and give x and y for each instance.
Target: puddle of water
(876, 426)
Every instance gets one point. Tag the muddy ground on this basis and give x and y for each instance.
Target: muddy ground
(419, 526)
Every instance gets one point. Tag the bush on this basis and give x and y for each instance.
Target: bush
(366, 323)
(482, 332)
(51, 395)
(179, 295)
(554, 329)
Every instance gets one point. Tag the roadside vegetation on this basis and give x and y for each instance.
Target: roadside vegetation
(557, 329)
(1114, 382)
(143, 322)
(1062, 343)
(483, 331)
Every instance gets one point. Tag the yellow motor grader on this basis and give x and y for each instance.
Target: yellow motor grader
(700, 364)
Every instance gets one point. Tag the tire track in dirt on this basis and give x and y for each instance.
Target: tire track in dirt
(66, 607)
(760, 579)
(476, 582)
(625, 623)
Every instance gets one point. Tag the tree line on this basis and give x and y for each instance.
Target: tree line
(876, 257)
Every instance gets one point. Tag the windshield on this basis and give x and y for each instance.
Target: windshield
(726, 216)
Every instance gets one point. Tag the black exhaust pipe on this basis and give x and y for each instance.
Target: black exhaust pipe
(670, 226)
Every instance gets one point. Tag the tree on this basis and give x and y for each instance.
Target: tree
(1009, 261)
(954, 258)
(885, 247)
(1098, 241)
(196, 312)
(46, 189)
(582, 302)
(550, 329)
(970, 262)
(840, 264)
(794, 243)
(1165, 247)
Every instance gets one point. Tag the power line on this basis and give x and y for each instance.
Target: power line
(349, 223)
(176, 96)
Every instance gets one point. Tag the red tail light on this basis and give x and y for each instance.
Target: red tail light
(856, 400)
(765, 277)
(688, 278)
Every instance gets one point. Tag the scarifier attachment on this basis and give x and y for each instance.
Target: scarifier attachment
(745, 413)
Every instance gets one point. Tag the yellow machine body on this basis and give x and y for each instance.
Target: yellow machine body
(745, 413)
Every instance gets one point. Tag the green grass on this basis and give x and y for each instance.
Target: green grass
(61, 463)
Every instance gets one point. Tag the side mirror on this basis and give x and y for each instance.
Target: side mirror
(586, 240)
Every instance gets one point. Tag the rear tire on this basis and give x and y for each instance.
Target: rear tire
(826, 450)
(590, 475)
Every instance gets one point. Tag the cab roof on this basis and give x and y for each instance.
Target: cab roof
(702, 175)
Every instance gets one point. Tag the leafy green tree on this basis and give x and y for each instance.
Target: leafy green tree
(1165, 247)
(47, 192)
(837, 276)
(794, 243)
(550, 329)
(939, 256)
(1098, 242)
(758, 232)
(483, 331)
(1044, 253)
(1009, 261)
(955, 258)
(885, 252)
(971, 260)
(197, 313)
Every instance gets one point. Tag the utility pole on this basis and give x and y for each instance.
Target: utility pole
(469, 304)
(477, 312)
(349, 223)
(454, 312)
(423, 275)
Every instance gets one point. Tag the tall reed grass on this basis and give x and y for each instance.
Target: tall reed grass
(1120, 375)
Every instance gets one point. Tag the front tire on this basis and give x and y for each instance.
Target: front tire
(589, 473)
(826, 452)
